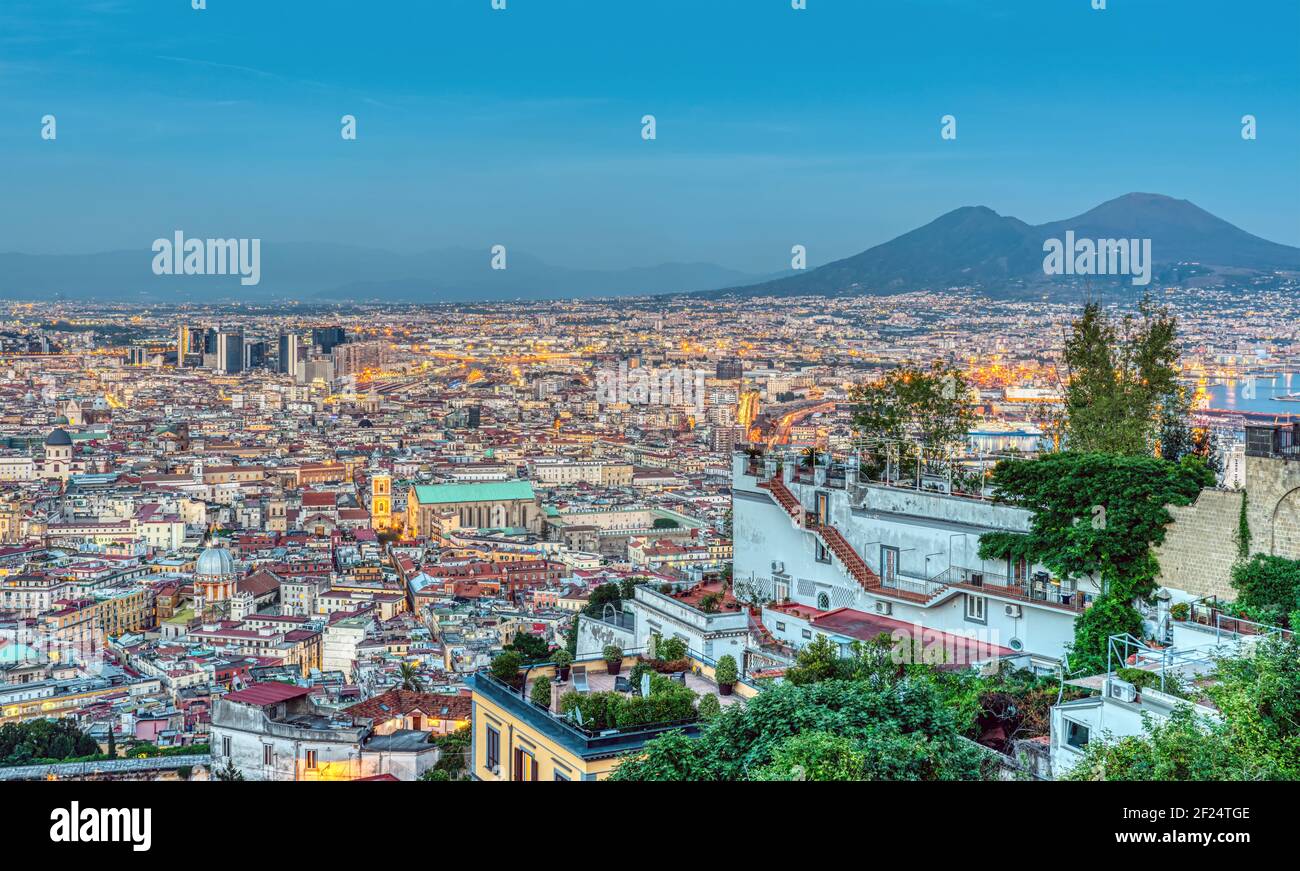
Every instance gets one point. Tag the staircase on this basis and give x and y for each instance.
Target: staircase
(854, 565)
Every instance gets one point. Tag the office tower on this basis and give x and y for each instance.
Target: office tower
(230, 351)
(730, 370)
(290, 353)
(185, 339)
(254, 355)
(327, 338)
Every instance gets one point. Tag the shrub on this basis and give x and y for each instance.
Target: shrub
(562, 658)
(612, 653)
(709, 707)
(727, 673)
(1181, 611)
(505, 667)
(541, 692)
(673, 648)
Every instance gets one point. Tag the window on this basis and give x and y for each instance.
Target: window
(493, 748)
(225, 747)
(525, 766)
(975, 608)
(780, 627)
(807, 633)
(560, 775)
(1076, 734)
(822, 555)
(823, 602)
(311, 760)
(267, 756)
(888, 565)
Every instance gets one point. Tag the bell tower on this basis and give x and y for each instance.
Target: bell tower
(381, 501)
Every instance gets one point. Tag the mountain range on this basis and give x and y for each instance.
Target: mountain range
(970, 246)
(975, 246)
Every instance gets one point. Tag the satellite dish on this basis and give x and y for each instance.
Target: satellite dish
(645, 685)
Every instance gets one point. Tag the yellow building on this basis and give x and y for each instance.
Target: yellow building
(381, 501)
(513, 739)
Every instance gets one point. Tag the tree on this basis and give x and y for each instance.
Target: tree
(531, 648)
(816, 661)
(1118, 374)
(816, 756)
(1177, 438)
(1268, 589)
(505, 667)
(929, 406)
(1257, 737)
(1095, 515)
(903, 730)
(227, 772)
(409, 676)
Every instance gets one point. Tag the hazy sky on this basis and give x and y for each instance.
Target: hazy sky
(522, 126)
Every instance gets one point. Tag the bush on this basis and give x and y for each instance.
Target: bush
(727, 674)
(709, 707)
(505, 667)
(612, 653)
(562, 658)
(671, 649)
(541, 692)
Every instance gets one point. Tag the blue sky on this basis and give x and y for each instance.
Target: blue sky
(775, 126)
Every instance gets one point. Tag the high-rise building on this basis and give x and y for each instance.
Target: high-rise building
(730, 370)
(254, 355)
(327, 338)
(230, 351)
(290, 353)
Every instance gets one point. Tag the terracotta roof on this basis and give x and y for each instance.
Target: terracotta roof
(271, 693)
(398, 702)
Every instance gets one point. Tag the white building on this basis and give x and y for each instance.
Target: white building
(822, 539)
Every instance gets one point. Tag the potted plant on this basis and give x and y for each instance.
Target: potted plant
(726, 674)
(613, 658)
(563, 662)
(541, 692)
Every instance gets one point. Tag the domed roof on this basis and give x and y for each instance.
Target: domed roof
(215, 561)
(58, 439)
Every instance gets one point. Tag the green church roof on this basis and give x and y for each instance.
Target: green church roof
(487, 491)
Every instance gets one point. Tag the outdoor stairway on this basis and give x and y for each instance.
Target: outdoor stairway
(834, 541)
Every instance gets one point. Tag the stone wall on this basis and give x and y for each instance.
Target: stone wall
(1200, 546)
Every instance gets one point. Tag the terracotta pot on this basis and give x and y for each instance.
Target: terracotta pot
(724, 689)
(614, 667)
(564, 672)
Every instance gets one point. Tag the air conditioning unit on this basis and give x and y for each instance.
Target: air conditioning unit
(1123, 690)
(1012, 611)
(778, 567)
(885, 608)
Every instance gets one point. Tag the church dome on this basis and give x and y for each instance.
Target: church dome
(58, 439)
(215, 561)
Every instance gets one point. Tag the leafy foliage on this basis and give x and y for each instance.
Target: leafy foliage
(505, 667)
(914, 404)
(1095, 515)
(1121, 373)
(1268, 587)
(44, 741)
(900, 731)
(668, 702)
(1257, 739)
(540, 694)
(531, 648)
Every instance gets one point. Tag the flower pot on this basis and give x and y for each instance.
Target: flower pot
(724, 689)
(614, 667)
(564, 672)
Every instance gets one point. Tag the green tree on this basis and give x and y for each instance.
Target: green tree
(531, 648)
(1095, 515)
(1268, 588)
(816, 661)
(505, 667)
(409, 677)
(816, 756)
(912, 404)
(1119, 374)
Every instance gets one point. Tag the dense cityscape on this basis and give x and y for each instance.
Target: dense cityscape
(350, 542)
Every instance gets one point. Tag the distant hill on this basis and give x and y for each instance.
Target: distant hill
(332, 273)
(975, 246)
